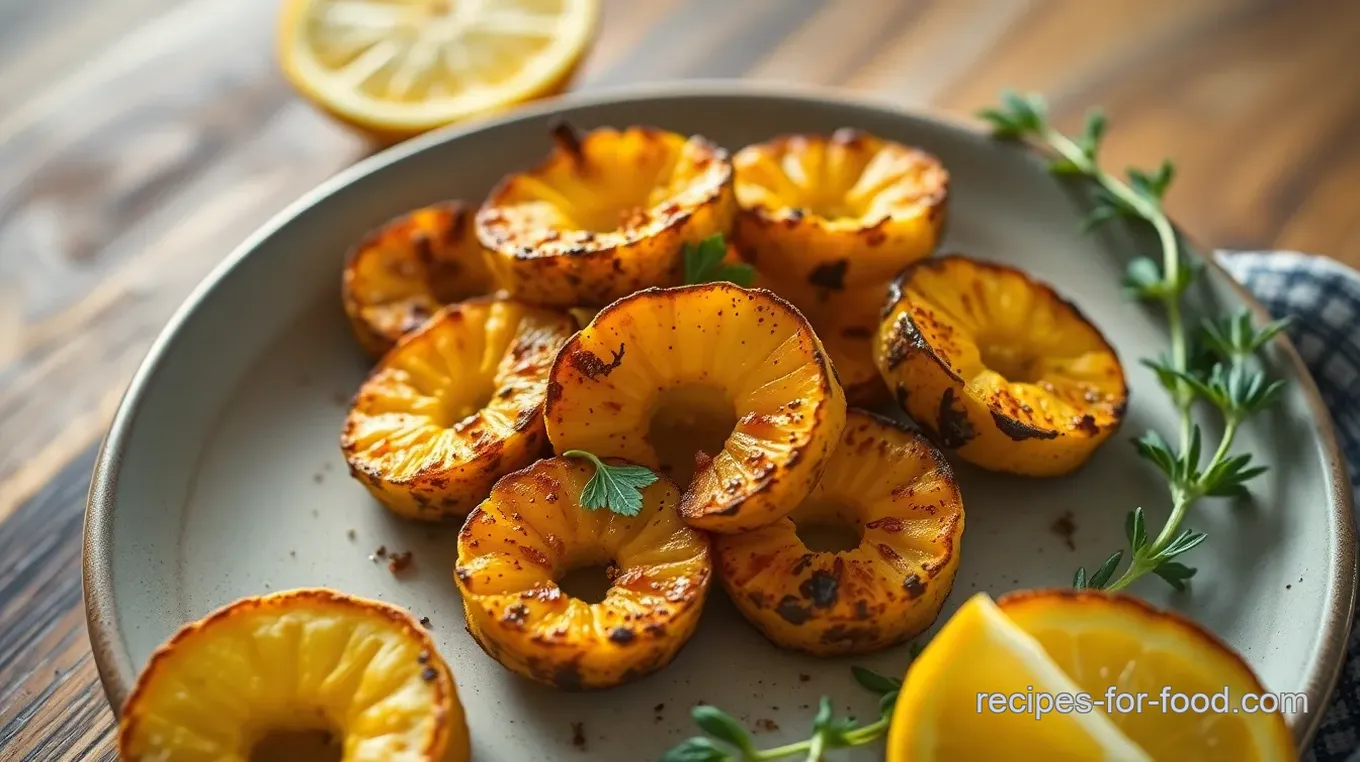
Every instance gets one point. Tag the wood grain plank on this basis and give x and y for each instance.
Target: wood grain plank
(1323, 218)
(71, 719)
(623, 23)
(937, 47)
(108, 222)
(71, 186)
(40, 581)
(1248, 118)
(51, 704)
(836, 41)
(1105, 41)
(707, 38)
(11, 320)
(50, 41)
(112, 325)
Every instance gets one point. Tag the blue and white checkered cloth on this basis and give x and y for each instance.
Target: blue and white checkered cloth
(1324, 298)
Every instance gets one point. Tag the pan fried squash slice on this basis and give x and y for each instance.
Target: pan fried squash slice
(839, 211)
(521, 541)
(455, 406)
(999, 367)
(731, 256)
(403, 272)
(608, 213)
(847, 323)
(294, 675)
(726, 390)
(898, 495)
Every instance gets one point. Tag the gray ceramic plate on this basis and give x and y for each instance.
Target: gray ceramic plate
(221, 476)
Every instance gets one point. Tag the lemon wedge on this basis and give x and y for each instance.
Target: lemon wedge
(939, 715)
(396, 68)
(1101, 640)
(965, 696)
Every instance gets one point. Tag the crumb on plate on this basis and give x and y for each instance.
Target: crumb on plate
(578, 735)
(399, 562)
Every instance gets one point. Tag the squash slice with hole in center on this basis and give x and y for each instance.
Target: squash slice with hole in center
(726, 390)
(999, 367)
(522, 540)
(300, 674)
(454, 406)
(608, 213)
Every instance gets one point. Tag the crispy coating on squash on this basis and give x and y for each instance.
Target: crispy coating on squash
(519, 542)
(725, 383)
(608, 213)
(999, 367)
(847, 323)
(403, 272)
(899, 495)
(455, 406)
(838, 211)
(361, 671)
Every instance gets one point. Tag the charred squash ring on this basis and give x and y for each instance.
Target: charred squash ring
(607, 214)
(314, 661)
(455, 406)
(531, 531)
(403, 272)
(999, 367)
(729, 384)
(899, 493)
(841, 211)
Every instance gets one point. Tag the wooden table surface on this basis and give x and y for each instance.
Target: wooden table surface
(141, 140)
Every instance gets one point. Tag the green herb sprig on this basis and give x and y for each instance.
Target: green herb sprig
(704, 264)
(727, 741)
(618, 488)
(1222, 371)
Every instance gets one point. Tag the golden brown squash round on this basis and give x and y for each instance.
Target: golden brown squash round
(898, 494)
(847, 323)
(607, 214)
(454, 406)
(517, 544)
(999, 367)
(841, 211)
(403, 272)
(293, 673)
(726, 390)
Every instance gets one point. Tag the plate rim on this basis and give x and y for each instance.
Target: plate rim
(112, 662)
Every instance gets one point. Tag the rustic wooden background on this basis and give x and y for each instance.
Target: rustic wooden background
(140, 140)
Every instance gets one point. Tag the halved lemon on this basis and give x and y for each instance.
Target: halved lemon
(973, 692)
(396, 68)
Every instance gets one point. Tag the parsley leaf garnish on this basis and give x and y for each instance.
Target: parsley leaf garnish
(704, 264)
(618, 488)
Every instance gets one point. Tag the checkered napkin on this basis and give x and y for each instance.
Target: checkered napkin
(1324, 298)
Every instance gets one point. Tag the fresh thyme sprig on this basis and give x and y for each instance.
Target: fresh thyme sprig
(1222, 372)
(734, 744)
(704, 264)
(618, 488)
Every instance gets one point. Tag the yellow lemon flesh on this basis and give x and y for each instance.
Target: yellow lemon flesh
(396, 68)
(1100, 640)
(940, 714)
(964, 697)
